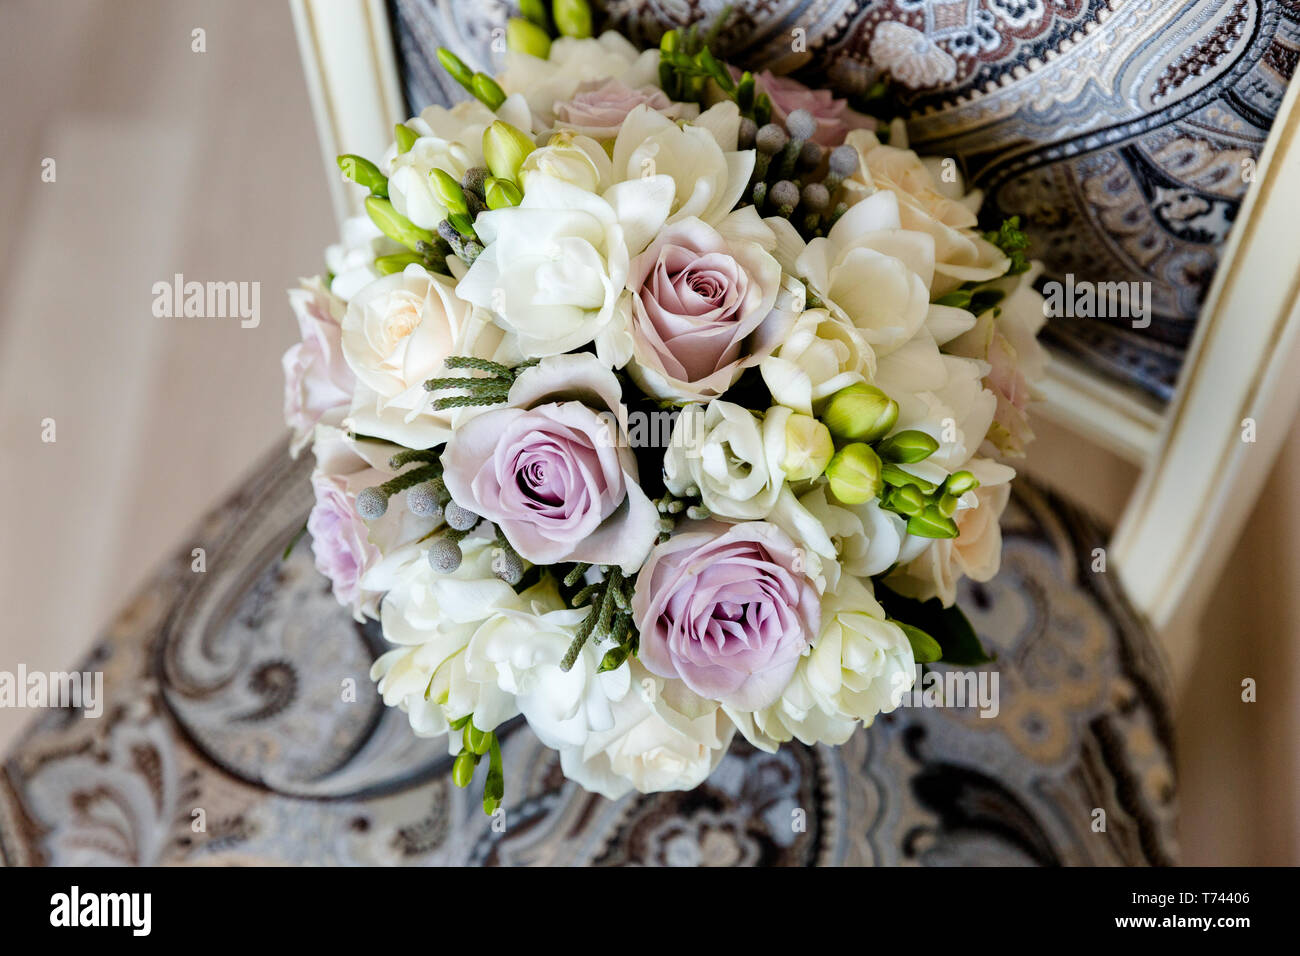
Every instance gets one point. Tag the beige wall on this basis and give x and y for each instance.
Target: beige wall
(206, 164)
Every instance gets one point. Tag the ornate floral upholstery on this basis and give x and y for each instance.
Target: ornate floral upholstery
(1119, 130)
(242, 692)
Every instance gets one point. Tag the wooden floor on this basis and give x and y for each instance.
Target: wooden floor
(169, 161)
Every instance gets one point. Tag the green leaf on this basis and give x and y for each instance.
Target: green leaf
(1013, 242)
(925, 648)
(947, 625)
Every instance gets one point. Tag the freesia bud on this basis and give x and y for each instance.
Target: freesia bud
(860, 413)
(462, 771)
(960, 482)
(523, 36)
(454, 65)
(908, 447)
(572, 18)
(808, 448)
(405, 137)
(500, 193)
(535, 11)
(504, 148)
(487, 90)
(448, 191)
(907, 500)
(394, 225)
(931, 523)
(364, 173)
(854, 474)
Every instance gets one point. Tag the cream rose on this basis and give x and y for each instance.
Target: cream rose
(397, 333)
(819, 356)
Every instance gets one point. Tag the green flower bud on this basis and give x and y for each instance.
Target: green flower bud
(670, 41)
(462, 771)
(405, 137)
(501, 193)
(860, 413)
(907, 500)
(454, 65)
(947, 505)
(476, 741)
(448, 191)
(572, 18)
(487, 91)
(614, 658)
(396, 226)
(462, 224)
(808, 448)
(504, 148)
(534, 11)
(854, 474)
(387, 265)
(907, 447)
(524, 36)
(898, 478)
(931, 523)
(960, 482)
(364, 173)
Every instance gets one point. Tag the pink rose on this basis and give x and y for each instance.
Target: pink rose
(317, 381)
(358, 556)
(728, 610)
(554, 470)
(599, 107)
(704, 307)
(834, 118)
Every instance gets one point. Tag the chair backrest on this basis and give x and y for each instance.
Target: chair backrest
(1204, 455)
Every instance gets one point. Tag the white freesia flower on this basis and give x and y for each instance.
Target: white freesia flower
(975, 553)
(710, 174)
(554, 267)
(571, 63)
(961, 254)
(397, 333)
(866, 537)
(520, 650)
(872, 273)
(729, 454)
(352, 260)
(859, 666)
(432, 617)
(450, 140)
(820, 356)
(664, 737)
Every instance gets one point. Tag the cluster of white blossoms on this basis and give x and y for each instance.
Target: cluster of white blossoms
(604, 232)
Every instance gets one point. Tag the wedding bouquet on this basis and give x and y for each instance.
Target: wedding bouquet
(657, 402)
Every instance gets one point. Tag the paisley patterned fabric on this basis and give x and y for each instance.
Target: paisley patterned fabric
(240, 727)
(1122, 132)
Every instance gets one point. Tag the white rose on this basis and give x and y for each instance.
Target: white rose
(432, 617)
(664, 737)
(554, 267)
(731, 456)
(520, 650)
(709, 173)
(859, 666)
(571, 63)
(397, 333)
(571, 158)
(820, 356)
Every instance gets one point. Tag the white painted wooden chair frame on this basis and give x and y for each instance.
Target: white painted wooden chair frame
(1199, 477)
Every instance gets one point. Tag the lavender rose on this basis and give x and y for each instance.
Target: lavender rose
(554, 470)
(599, 107)
(706, 304)
(317, 381)
(834, 118)
(728, 610)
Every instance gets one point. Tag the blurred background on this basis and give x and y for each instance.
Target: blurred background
(168, 161)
